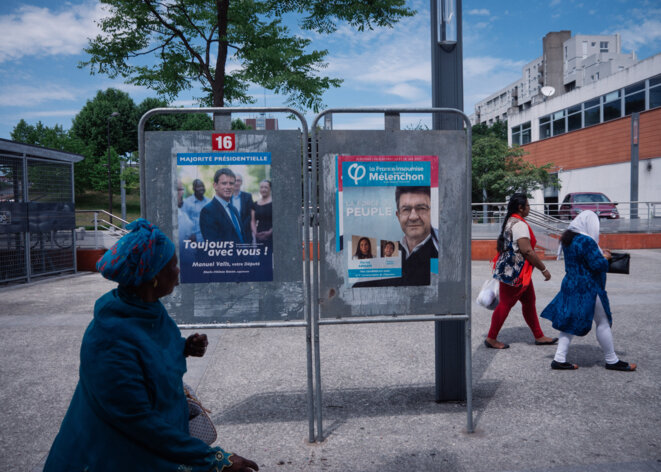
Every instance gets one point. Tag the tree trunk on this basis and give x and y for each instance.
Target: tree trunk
(222, 121)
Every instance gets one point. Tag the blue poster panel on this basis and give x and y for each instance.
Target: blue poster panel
(225, 217)
(387, 219)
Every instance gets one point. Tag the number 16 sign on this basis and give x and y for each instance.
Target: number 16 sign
(223, 142)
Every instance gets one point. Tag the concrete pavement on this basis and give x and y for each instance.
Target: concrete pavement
(378, 385)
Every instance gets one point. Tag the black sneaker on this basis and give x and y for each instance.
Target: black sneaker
(563, 365)
(621, 365)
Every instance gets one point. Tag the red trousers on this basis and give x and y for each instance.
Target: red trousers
(508, 297)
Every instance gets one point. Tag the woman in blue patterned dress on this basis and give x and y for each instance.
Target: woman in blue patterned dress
(129, 411)
(582, 298)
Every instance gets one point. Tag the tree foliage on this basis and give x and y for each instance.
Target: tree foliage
(95, 122)
(172, 122)
(496, 130)
(193, 40)
(501, 171)
(53, 138)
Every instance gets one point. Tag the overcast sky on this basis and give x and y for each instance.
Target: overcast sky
(42, 41)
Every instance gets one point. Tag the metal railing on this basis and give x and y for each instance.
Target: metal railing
(631, 217)
(102, 220)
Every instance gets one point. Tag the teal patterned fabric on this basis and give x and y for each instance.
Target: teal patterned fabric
(129, 412)
(138, 256)
(572, 309)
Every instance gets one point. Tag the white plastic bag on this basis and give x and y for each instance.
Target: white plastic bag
(488, 296)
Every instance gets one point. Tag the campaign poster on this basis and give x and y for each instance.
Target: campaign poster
(386, 244)
(225, 231)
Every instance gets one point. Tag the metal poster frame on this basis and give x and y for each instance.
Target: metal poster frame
(306, 230)
(391, 116)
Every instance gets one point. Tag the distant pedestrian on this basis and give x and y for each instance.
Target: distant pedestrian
(582, 296)
(513, 268)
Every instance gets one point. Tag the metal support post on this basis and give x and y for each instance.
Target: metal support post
(635, 127)
(447, 91)
(392, 121)
(222, 121)
(122, 191)
(74, 244)
(26, 196)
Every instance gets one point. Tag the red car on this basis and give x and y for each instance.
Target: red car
(574, 203)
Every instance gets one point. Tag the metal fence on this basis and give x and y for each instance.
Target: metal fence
(632, 217)
(36, 213)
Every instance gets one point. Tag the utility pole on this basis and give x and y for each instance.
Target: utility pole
(448, 92)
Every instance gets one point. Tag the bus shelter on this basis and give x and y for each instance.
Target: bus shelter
(37, 211)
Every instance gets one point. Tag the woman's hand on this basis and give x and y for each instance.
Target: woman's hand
(607, 254)
(531, 256)
(196, 345)
(241, 464)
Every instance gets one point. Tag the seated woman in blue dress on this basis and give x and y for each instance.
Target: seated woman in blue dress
(582, 298)
(129, 411)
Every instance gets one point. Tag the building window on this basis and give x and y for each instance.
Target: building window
(591, 113)
(516, 136)
(585, 49)
(603, 46)
(574, 121)
(521, 134)
(612, 106)
(559, 125)
(634, 98)
(545, 127)
(525, 133)
(655, 91)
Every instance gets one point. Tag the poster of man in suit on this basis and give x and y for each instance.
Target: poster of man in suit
(227, 250)
(382, 200)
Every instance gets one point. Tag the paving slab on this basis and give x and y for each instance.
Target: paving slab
(378, 387)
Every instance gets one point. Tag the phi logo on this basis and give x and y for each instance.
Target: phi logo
(356, 172)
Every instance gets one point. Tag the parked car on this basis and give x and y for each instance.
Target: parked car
(574, 203)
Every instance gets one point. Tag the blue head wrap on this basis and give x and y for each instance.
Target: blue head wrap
(138, 256)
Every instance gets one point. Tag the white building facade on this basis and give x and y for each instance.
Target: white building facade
(567, 63)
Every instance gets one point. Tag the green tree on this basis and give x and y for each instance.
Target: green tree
(239, 124)
(194, 39)
(96, 126)
(40, 135)
(496, 130)
(53, 138)
(501, 171)
(171, 122)
(94, 122)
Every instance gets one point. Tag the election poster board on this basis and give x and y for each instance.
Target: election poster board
(220, 238)
(387, 245)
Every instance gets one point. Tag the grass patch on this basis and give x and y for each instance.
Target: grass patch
(92, 200)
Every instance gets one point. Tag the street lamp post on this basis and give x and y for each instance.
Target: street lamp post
(112, 115)
(447, 92)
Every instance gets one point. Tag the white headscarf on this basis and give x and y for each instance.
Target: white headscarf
(587, 223)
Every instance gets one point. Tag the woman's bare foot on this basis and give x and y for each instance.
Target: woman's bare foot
(495, 344)
(545, 341)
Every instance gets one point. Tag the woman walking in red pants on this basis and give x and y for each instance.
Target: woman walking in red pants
(513, 268)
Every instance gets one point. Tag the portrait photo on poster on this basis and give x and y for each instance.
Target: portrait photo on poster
(224, 217)
(387, 216)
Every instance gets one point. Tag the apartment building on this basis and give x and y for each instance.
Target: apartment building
(568, 62)
(594, 134)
